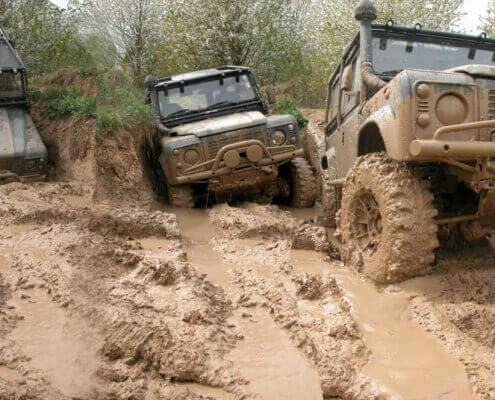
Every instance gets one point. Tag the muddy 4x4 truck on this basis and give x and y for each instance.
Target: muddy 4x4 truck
(23, 155)
(410, 145)
(214, 138)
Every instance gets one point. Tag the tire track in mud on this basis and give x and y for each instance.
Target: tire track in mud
(267, 311)
(82, 268)
(265, 356)
(333, 316)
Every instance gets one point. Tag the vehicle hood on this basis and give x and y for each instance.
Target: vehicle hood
(220, 124)
(487, 71)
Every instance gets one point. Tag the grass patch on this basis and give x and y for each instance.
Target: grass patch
(61, 103)
(120, 105)
(287, 106)
(115, 105)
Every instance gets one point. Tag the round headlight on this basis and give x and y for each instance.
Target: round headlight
(291, 127)
(191, 156)
(451, 109)
(278, 138)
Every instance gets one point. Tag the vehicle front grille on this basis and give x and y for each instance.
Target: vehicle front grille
(423, 106)
(215, 142)
(491, 104)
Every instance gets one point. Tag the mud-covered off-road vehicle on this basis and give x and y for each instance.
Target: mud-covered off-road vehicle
(214, 138)
(410, 145)
(23, 155)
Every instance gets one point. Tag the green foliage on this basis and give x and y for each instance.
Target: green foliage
(46, 36)
(488, 20)
(63, 102)
(121, 105)
(116, 104)
(287, 106)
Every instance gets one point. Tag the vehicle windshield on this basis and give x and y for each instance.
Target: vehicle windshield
(11, 84)
(392, 55)
(203, 95)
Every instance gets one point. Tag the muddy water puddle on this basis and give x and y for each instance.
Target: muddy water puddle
(265, 357)
(406, 362)
(275, 369)
(9, 374)
(63, 348)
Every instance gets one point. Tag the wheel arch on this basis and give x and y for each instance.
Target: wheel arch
(370, 139)
(377, 134)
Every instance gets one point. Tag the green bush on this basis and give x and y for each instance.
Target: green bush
(116, 104)
(63, 102)
(121, 107)
(287, 106)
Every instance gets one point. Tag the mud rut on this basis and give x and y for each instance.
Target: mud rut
(120, 302)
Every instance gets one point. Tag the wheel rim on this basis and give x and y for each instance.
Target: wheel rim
(367, 222)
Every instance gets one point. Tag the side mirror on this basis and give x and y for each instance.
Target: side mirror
(346, 80)
(150, 81)
(272, 95)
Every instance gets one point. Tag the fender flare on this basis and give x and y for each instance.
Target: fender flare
(375, 133)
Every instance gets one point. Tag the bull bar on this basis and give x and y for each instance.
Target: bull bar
(466, 149)
(218, 169)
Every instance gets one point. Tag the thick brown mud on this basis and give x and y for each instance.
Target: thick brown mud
(265, 356)
(102, 302)
(404, 357)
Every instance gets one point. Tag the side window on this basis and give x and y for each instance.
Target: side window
(334, 98)
(350, 99)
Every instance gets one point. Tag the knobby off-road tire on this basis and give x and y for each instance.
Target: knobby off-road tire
(387, 221)
(149, 149)
(181, 196)
(302, 183)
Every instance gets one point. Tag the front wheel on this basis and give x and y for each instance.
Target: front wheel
(181, 196)
(298, 186)
(387, 223)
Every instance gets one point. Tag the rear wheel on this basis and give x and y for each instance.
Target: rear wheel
(181, 196)
(387, 221)
(298, 186)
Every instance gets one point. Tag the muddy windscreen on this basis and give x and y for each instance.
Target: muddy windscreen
(11, 85)
(392, 55)
(204, 95)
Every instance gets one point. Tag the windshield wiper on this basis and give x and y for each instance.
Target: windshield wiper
(222, 103)
(391, 72)
(180, 112)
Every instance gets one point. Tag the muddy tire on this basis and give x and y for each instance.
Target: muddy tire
(149, 149)
(181, 196)
(387, 221)
(298, 184)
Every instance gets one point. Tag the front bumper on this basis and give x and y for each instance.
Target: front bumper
(225, 160)
(454, 149)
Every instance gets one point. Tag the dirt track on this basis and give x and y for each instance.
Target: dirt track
(126, 300)
(99, 302)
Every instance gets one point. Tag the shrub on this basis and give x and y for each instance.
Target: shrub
(63, 102)
(116, 104)
(121, 108)
(287, 106)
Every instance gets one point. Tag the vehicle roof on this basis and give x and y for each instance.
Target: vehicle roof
(9, 59)
(418, 32)
(201, 74)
